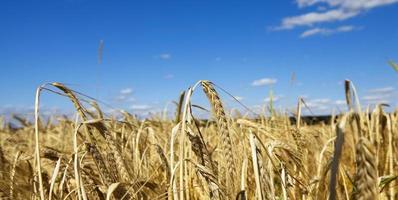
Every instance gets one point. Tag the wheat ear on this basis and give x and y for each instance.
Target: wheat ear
(106, 177)
(366, 173)
(121, 166)
(208, 172)
(226, 143)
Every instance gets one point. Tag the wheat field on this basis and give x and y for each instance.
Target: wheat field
(95, 156)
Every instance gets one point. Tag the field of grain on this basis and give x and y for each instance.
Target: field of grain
(94, 156)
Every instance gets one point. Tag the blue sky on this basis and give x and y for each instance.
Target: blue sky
(155, 49)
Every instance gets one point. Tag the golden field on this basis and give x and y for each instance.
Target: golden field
(97, 157)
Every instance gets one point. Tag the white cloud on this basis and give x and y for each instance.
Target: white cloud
(312, 18)
(319, 101)
(374, 99)
(314, 31)
(320, 108)
(140, 107)
(305, 3)
(347, 4)
(126, 91)
(168, 76)
(322, 105)
(365, 4)
(336, 10)
(340, 102)
(326, 31)
(319, 105)
(124, 98)
(264, 81)
(379, 95)
(165, 56)
(385, 90)
(125, 95)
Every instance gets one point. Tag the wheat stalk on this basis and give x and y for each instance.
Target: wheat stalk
(12, 174)
(256, 167)
(352, 157)
(338, 148)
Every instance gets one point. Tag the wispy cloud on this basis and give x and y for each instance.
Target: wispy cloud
(165, 56)
(340, 102)
(326, 31)
(335, 10)
(318, 101)
(168, 76)
(140, 107)
(320, 106)
(122, 98)
(385, 90)
(375, 99)
(347, 4)
(126, 91)
(372, 98)
(264, 82)
(312, 18)
(125, 95)
(379, 95)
